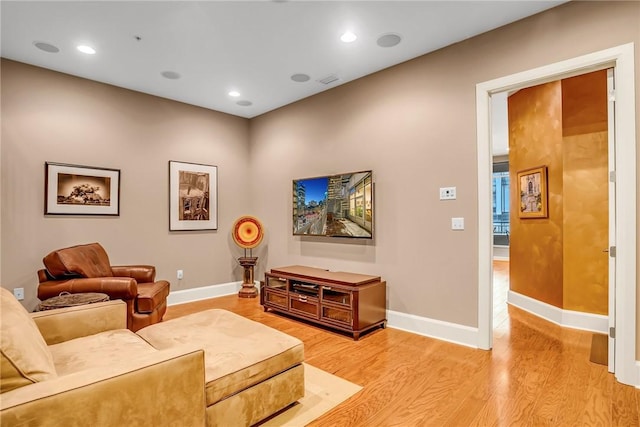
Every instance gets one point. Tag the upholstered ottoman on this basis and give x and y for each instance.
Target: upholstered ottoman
(251, 370)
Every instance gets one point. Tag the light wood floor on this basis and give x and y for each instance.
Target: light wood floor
(538, 374)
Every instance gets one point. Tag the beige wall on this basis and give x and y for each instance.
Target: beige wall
(48, 116)
(413, 124)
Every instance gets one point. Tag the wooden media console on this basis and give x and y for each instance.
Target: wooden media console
(353, 303)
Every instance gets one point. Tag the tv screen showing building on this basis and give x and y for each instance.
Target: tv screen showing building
(334, 206)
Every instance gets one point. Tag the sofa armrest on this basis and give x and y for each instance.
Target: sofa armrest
(165, 388)
(116, 287)
(64, 324)
(142, 273)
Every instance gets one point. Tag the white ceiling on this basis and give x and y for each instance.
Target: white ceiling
(252, 47)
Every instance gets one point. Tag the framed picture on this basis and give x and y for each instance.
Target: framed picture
(193, 196)
(81, 190)
(532, 188)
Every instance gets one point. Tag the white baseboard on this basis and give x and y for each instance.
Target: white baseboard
(437, 329)
(501, 253)
(567, 318)
(445, 331)
(205, 292)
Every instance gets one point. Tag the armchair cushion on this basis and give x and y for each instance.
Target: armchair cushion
(152, 295)
(90, 260)
(25, 357)
(142, 273)
(124, 288)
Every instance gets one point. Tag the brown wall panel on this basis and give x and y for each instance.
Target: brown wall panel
(585, 230)
(586, 188)
(584, 104)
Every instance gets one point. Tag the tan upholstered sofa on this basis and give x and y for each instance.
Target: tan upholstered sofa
(80, 366)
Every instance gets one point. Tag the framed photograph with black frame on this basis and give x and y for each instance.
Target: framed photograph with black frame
(532, 190)
(193, 196)
(81, 190)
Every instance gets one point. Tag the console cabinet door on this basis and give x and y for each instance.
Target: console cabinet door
(274, 282)
(276, 298)
(337, 306)
(336, 296)
(339, 316)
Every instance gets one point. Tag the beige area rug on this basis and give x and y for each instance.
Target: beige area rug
(322, 392)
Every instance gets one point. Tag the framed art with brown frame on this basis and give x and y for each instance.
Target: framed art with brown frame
(81, 190)
(193, 198)
(532, 190)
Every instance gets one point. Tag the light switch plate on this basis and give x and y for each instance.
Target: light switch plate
(457, 223)
(447, 193)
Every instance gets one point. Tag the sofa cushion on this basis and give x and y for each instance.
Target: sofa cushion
(25, 357)
(238, 352)
(89, 260)
(98, 351)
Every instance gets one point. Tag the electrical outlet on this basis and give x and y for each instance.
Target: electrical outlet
(180, 274)
(457, 223)
(18, 293)
(447, 193)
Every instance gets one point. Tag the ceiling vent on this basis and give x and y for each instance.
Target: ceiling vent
(329, 79)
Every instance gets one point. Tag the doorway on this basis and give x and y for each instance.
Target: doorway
(621, 59)
(557, 264)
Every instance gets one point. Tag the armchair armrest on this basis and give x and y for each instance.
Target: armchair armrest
(68, 323)
(116, 287)
(165, 388)
(142, 273)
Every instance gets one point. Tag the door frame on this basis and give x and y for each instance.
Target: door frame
(621, 58)
(611, 158)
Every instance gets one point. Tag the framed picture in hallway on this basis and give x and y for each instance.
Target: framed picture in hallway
(532, 190)
(81, 190)
(193, 196)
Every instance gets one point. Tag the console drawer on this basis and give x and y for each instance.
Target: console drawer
(304, 305)
(336, 315)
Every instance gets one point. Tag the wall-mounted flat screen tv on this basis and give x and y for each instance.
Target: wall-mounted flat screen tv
(334, 206)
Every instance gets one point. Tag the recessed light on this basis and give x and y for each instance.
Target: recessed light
(86, 49)
(348, 37)
(234, 93)
(244, 103)
(300, 78)
(389, 40)
(46, 47)
(171, 75)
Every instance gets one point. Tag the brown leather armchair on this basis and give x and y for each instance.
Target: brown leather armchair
(86, 268)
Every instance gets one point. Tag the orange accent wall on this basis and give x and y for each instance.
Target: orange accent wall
(586, 193)
(559, 260)
(535, 139)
